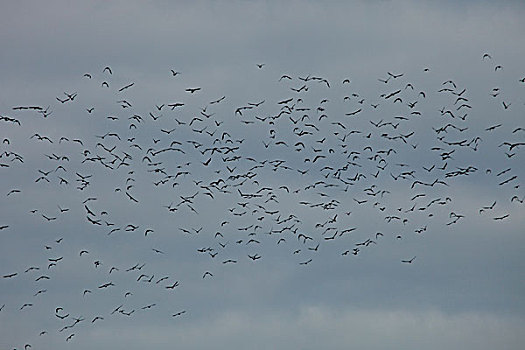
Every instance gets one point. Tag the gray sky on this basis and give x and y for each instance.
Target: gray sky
(386, 211)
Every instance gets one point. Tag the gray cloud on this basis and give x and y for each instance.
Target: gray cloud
(462, 289)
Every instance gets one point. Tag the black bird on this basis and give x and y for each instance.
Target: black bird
(408, 261)
(193, 90)
(179, 313)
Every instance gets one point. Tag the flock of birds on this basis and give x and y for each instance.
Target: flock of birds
(293, 174)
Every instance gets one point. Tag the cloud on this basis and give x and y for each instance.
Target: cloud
(461, 290)
(314, 326)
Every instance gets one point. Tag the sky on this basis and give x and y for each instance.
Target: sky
(262, 174)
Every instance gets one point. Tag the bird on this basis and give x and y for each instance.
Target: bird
(254, 257)
(126, 87)
(193, 90)
(26, 305)
(179, 313)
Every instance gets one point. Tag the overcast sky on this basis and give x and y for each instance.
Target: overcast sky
(262, 175)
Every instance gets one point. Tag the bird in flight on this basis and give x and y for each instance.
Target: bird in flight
(193, 90)
(408, 261)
